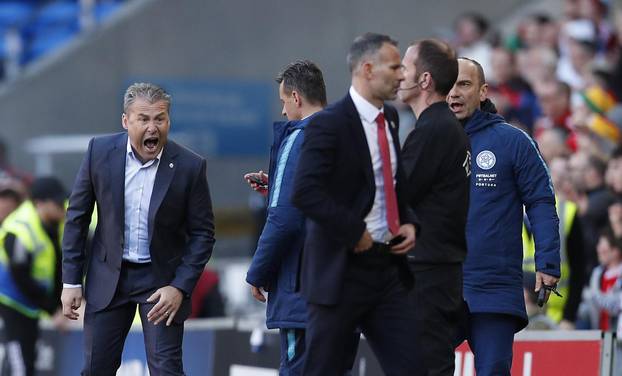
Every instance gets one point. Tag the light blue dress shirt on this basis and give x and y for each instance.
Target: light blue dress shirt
(139, 181)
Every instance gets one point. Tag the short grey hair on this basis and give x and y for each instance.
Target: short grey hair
(148, 91)
(365, 45)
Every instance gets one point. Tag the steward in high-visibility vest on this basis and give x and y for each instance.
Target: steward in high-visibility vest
(572, 257)
(30, 268)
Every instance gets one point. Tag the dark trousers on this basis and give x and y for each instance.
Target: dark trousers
(374, 299)
(437, 297)
(292, 352)
(20, 338)
(105, 331)
(490, 337)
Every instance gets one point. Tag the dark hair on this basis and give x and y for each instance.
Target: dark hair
(597, 164)
(11, 194)
(438, 59)
(614, 241)
(480, 70)
(541, 18)
(366, 44)
(616, 153)
(306, 78)
(477, 19)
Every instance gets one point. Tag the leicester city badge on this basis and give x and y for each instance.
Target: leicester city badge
(486, 160)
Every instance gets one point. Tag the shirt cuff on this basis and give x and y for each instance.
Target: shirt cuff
(70, 286)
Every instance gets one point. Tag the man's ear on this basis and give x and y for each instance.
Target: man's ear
(483, 92)
(297, 98)
(124, 120)
(367, 68)
(426, 80)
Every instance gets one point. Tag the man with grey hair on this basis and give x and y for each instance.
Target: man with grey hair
(154, 235)
(354, 271)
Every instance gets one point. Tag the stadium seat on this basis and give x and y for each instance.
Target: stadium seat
(14, 13)
(59, 13)
(43, 43)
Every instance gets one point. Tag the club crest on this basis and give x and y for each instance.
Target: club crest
(486, 160)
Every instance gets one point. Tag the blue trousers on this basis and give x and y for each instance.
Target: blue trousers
(292, 352)
(490, 337)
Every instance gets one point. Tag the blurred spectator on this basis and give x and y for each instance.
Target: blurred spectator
(470, 32)
(258, 207)
(10, 197)
(616, 71)
(571, 10)
(562, 310)
(615, 217)
(593, 199)
(537, 64)
(552, 143)
(207, 300)
(536, 30)
(613, 176)
(30, 277)
(580, 51)
(596, 11)
(512, 95)
(7, 170)
(602, 298)
(554, 99)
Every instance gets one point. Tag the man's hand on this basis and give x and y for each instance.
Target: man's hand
(365, 243)
(71, 297)
(258, 293)
(545, 279)
(253, 179)
(408, 232)
(168, 301)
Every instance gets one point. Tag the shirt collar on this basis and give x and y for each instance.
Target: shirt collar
(130, 151)
(366, 110)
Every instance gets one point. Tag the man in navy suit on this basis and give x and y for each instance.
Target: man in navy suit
(154, 236)
(348, 184)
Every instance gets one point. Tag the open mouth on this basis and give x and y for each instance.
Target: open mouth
(151, 144)
(456, 106)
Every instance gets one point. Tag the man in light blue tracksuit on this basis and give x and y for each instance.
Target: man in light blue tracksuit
(508, 174)
(274, 268)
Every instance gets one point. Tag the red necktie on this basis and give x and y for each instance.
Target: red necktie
(387, 173)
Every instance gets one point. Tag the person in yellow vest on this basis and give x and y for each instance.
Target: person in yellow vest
(30, 264)
(562, 310)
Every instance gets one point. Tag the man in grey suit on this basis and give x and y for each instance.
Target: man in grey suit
(153, 238)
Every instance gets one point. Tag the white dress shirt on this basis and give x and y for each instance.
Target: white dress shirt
(139, 181)
(376, 219)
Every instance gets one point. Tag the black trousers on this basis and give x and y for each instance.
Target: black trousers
(19, 339)
(375, 300)
(437, 297)
(105, 331)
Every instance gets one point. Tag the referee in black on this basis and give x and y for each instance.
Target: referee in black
(436, 157)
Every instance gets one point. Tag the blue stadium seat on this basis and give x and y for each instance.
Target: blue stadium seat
(59, 13)
(15, 13)
(43, 43)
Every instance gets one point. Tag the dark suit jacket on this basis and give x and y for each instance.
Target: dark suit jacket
(181, 230)
(335, 189)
